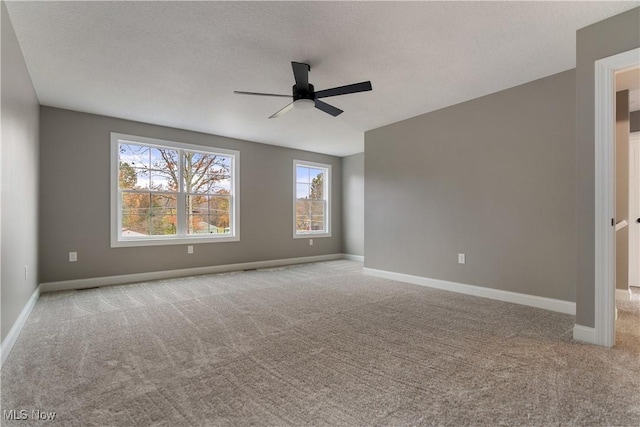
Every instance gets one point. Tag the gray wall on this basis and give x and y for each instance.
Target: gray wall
(74, 202)
(622, 188)
(353, 203)
(493, 178)
(600, 40)
(19, 179)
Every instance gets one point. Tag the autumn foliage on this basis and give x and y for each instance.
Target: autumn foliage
(152, 183)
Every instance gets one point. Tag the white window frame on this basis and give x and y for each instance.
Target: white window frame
(117, 240)
(327, 195)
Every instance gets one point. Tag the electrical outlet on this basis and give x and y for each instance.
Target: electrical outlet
(26, 272)
(310, 242)
(461, 259)
(190, 249)
(73, 256)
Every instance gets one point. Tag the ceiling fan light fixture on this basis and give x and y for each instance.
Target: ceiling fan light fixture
(304, 104)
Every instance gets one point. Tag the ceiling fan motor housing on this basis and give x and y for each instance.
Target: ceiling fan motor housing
(303, 94)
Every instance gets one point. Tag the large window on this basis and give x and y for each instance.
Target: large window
(312, 186)
(165, 192)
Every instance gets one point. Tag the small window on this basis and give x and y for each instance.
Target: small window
(167, 192)
(312, 193)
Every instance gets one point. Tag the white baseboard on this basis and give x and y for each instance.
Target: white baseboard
(359, 258)
(584, 334)
(14, 332)
(557, 305)
(95, 282)
(623, 295)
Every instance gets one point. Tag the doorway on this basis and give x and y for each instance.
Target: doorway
(605, 70)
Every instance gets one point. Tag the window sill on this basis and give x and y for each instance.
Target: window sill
(311, 235)
(125, 243)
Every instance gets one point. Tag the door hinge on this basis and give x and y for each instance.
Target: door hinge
(613, 222)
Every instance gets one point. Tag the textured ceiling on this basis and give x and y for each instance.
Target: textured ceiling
(177, 63)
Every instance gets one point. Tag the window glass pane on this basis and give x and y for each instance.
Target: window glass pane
(310, 215)
(127, 176)
(302, 215)
(208, 214)
(163, 169)
(135, 211)
(316, 191)
(163, 214)
(302, 191)
(220, 175)
(313, 172)
(134, 166)
(161, 182)
(135, 155)
(302, 175)
(206, 173)
(316, 215)
(142, 179)
(146, 214)
(309, 182)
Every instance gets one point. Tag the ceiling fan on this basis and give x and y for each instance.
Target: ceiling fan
(304, 95)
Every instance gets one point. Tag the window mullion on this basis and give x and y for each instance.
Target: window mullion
(182, 200)
(119, 211)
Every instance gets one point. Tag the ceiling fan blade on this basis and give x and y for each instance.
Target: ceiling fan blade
(301, 74)
(237, 92)
(329, 109)
(343, 90)
(282, 111)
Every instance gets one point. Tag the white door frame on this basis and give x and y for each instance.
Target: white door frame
(605, 192)
(634, 210)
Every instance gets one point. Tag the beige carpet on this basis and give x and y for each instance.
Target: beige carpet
(318, 344)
